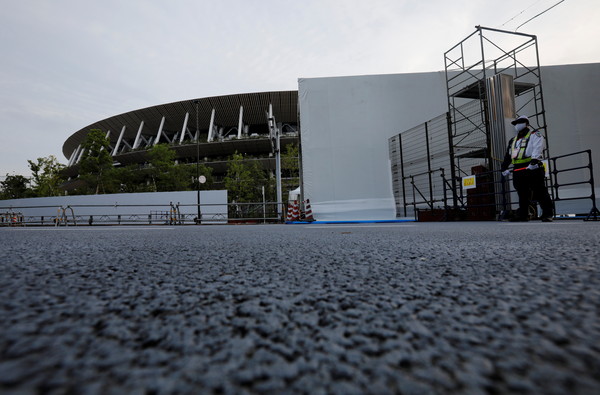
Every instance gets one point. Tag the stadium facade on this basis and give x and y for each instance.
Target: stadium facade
(210, 129)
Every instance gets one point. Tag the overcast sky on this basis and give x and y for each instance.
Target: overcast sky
(68, 63)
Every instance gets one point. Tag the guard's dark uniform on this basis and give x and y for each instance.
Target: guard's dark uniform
(524, 152)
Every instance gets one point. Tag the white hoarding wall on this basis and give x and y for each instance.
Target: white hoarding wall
(130, 206)
(571, 99)
(345, 126)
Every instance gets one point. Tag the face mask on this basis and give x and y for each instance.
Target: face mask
(520, 126)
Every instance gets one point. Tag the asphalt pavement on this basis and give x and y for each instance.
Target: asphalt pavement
(408, 308)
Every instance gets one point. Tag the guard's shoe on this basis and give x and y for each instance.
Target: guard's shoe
(546, 219)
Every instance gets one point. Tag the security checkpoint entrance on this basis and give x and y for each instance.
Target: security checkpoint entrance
(448, 168)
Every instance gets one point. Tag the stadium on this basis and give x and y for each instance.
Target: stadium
(209, 129)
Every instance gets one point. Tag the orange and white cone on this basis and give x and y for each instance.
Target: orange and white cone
(295, 211)
(309, 214)
(290, 212)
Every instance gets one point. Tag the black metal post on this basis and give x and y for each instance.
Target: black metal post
(402, 173)
(412, 182)
(452, 159)
(429, 164)
(594, 211)
(443, 175)
(196, 102)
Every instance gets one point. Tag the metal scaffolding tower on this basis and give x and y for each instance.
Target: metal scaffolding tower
(492, 75)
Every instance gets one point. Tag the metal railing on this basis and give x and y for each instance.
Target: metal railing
(422, 185)
(62, 218)
(494, 197)
(145, 214)
(594, 213)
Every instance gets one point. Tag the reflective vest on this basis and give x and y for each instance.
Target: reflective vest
(518, 153)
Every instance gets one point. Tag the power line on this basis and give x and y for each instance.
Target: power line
(525, 9)
(546, 10)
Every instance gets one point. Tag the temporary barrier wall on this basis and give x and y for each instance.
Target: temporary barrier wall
(345, 125)
(127, 205)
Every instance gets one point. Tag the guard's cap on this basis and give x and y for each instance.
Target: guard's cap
(520, 119)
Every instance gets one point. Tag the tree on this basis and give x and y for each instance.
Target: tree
(289, 160)
(127, 179)
(290, 168)
(14, 187)
(162, 161)
(46, 176)
(244, 180)
(165, 175)
(161, 156)
(96, 163)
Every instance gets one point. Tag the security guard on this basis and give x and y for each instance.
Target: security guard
(524, 152)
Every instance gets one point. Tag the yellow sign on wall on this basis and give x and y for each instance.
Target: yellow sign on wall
(469, 182)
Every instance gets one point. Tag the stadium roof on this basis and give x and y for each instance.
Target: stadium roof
(227, 109)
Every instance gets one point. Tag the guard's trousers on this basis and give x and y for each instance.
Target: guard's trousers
(530, 185)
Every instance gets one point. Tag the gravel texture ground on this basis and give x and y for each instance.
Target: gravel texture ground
(411, 308)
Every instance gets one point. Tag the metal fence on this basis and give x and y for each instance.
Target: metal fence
(586, 173)
(494, 198)
(169, 214)
(415, 157)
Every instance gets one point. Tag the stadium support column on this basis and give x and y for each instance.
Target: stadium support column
(73, 156)
(116, 150)
(106, 136)
(80, 155)
(211, 126)
(160, 129)
(185, 121)
(136, 142)
(240, 122)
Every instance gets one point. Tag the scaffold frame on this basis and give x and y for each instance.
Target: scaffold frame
(487, 53)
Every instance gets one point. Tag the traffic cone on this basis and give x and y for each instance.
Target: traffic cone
(295, 211)
(309, 214)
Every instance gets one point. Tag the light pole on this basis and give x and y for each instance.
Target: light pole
(196, 102)
(275, 144)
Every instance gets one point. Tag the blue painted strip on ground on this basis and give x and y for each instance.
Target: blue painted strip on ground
(385, 221)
